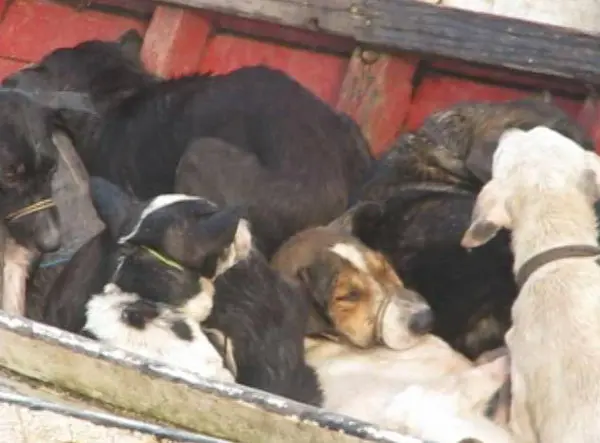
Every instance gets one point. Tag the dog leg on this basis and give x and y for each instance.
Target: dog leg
(15, 273)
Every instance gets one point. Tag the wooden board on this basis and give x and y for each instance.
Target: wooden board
(409, 25)
(161, 394)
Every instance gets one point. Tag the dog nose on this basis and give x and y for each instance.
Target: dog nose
(48, 239)
(421, 322)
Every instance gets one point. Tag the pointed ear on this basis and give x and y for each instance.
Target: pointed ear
(131, 44)
(200, 245)
(350, 222)
(489, 216)
(114, 207)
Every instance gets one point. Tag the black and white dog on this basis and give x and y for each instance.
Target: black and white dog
(160, 258)
(297, 157)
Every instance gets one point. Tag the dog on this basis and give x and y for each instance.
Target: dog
(28, 160)
(191, 257)
(275, 131)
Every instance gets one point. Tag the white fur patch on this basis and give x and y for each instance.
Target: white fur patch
(16, 265)
(239, 250)
(156, 341)
(201, 304)
(162, 201)
(350, 253)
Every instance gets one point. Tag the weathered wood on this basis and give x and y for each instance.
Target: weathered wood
(162, 394)
(583, 15)
(409, 25)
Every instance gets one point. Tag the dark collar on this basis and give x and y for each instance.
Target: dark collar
(539, 260)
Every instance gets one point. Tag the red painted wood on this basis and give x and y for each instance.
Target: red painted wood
(175, 41)
(437, 92)
(377, 95)
(32, 28)
(8, 67)
(506, 76)
(320, 73)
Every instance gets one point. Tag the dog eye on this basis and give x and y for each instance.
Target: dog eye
(353, 295)
(13, 174)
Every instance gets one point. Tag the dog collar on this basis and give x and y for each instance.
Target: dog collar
(161, 258)
(554, 254)
(41, 205)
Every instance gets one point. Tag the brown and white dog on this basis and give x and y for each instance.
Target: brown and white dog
(369, 341)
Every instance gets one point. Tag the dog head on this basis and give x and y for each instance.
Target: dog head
(355, 292)
(461, 140)
(525, 165)
(81, 72)
(28, 160)
(171, 248)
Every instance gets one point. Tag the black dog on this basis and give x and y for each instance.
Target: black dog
(307, 155)
(28, 160)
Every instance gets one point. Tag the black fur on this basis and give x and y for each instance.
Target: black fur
(307, 155)
(265, 317)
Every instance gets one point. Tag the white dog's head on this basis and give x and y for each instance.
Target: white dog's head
(527, 164)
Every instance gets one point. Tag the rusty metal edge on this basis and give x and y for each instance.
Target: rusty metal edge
(106, 419)
(253, 397)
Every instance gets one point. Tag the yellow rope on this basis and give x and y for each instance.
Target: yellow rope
(31, 209)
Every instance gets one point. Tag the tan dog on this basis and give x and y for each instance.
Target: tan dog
(369, 342)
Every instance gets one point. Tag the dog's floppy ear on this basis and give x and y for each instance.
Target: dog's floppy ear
(489, 216)
(317, 290)
(114, 207)
(352, 221)
(593, 172)
(131, 44)
(480, 158)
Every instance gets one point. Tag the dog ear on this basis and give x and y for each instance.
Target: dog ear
(114, 207)
(131, 44)
(317, 290)
(480, 159)
(200, 245)
(593, 173)
(352, 221)
(489, 216)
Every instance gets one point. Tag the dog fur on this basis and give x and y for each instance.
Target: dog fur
(277, 132)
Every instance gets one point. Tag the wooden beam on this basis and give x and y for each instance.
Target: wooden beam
(163, 395)
(414, 26)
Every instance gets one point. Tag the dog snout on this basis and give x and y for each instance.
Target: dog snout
(421, 322)
(47, 233)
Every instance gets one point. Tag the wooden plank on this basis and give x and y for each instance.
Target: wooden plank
(175, 41)
(159, 393)
(583, 15)
(409, 25)
(377, 93)
(321, 73)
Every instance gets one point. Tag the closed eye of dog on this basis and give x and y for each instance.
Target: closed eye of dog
(353, 295)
